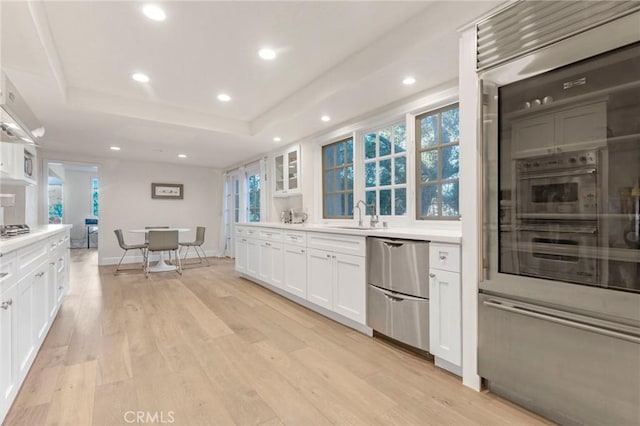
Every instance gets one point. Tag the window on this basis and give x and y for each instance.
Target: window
(94, 196)
(337, 180)
(385, 169)
(438, 161)
(236, 199)
(253, 181)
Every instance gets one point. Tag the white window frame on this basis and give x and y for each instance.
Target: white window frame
(392, 156)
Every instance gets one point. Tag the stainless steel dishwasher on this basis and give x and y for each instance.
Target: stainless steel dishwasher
(398, 289)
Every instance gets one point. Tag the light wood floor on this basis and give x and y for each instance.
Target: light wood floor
(209, 348)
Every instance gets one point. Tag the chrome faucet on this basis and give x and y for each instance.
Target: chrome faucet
(374, 216)
(360, 224)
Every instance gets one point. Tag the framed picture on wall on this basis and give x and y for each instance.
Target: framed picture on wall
(167, 191)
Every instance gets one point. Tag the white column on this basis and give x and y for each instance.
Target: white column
(469, 205)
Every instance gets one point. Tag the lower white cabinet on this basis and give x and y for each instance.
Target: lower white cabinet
(445, 306)
(8, 365)
(271, 263)
(241, 254)
(295, 273)
(29, 303)
(319, 277)
(336, 281)
(445, 326)
(349, 288)
(333, 279)
(253, 257)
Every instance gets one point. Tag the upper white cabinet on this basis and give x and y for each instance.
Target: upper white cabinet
(555, 130)
(17, 163)
(287, 172)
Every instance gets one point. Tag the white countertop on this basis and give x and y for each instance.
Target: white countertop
(436, 235)
(37, 233)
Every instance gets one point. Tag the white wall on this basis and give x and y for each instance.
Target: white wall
(126, 203)
(77, 203)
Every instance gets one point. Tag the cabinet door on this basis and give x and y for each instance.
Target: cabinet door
(265, 269)
(241, 255)
(319, 277)
(52, 289)
(40, 298)
(7, 159)
(62, 275)
(445, 330)
(279, 170)
(277, 265)
(295, 273)
(349, 286)
(293, 171)
(8, 370)
(25, 334)
(533, 136)
(253, 257)
(582, 127)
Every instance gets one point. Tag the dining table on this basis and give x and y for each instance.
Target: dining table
(161, 266)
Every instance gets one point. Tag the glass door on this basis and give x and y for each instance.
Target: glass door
(279, 164)
(292, 169)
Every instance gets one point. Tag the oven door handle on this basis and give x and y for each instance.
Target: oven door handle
(563, 230)
(562, 321)
(558, 174)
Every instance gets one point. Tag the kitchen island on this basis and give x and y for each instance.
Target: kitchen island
(34, 279)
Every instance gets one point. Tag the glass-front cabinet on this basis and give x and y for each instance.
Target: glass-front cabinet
(287, 172)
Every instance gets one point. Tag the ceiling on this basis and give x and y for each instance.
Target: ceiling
(72, 62)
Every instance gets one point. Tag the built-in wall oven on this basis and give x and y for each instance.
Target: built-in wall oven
(559, 303)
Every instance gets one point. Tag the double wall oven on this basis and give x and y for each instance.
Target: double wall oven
(559, 302)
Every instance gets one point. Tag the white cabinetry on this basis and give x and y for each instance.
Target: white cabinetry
(319, 277)
(17, 163)
(8, 365)
(287, 172)
(445, 300)
(329, 273)
(336, 277)
(557, 129)
(33, 281)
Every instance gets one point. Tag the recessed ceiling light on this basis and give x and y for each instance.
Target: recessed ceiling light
(224, 97)
(182, 155)
(325, 118)
(114, 148)
(267, 54)
(277, 139)
(140, 77)
(154, 12)
(408, 81)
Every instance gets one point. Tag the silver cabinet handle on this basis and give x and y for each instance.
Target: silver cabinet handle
(52, 263)
(561, 321)
(267, 244)
(328, 256)
(60, 288)
(3, 274)
(333, 257)
(432, 275)
(39, 274)
(5, 305)
(53, 244)
(443, 256)
(302, 251)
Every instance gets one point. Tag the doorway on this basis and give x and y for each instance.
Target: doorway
(73, 198)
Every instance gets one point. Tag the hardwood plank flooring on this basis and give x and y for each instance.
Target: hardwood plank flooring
(210, 348)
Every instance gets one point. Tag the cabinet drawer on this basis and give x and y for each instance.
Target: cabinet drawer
(270, 234)
(444, 256)
(240, 230)
(295, 238)
(337, 243)
(31, 256)
(251, 232)
(8, 270)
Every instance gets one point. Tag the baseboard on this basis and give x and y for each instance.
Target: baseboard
(137, 258)
(446, 365)
(319, 309)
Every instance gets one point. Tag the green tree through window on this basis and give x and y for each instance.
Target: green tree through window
(94, 196)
